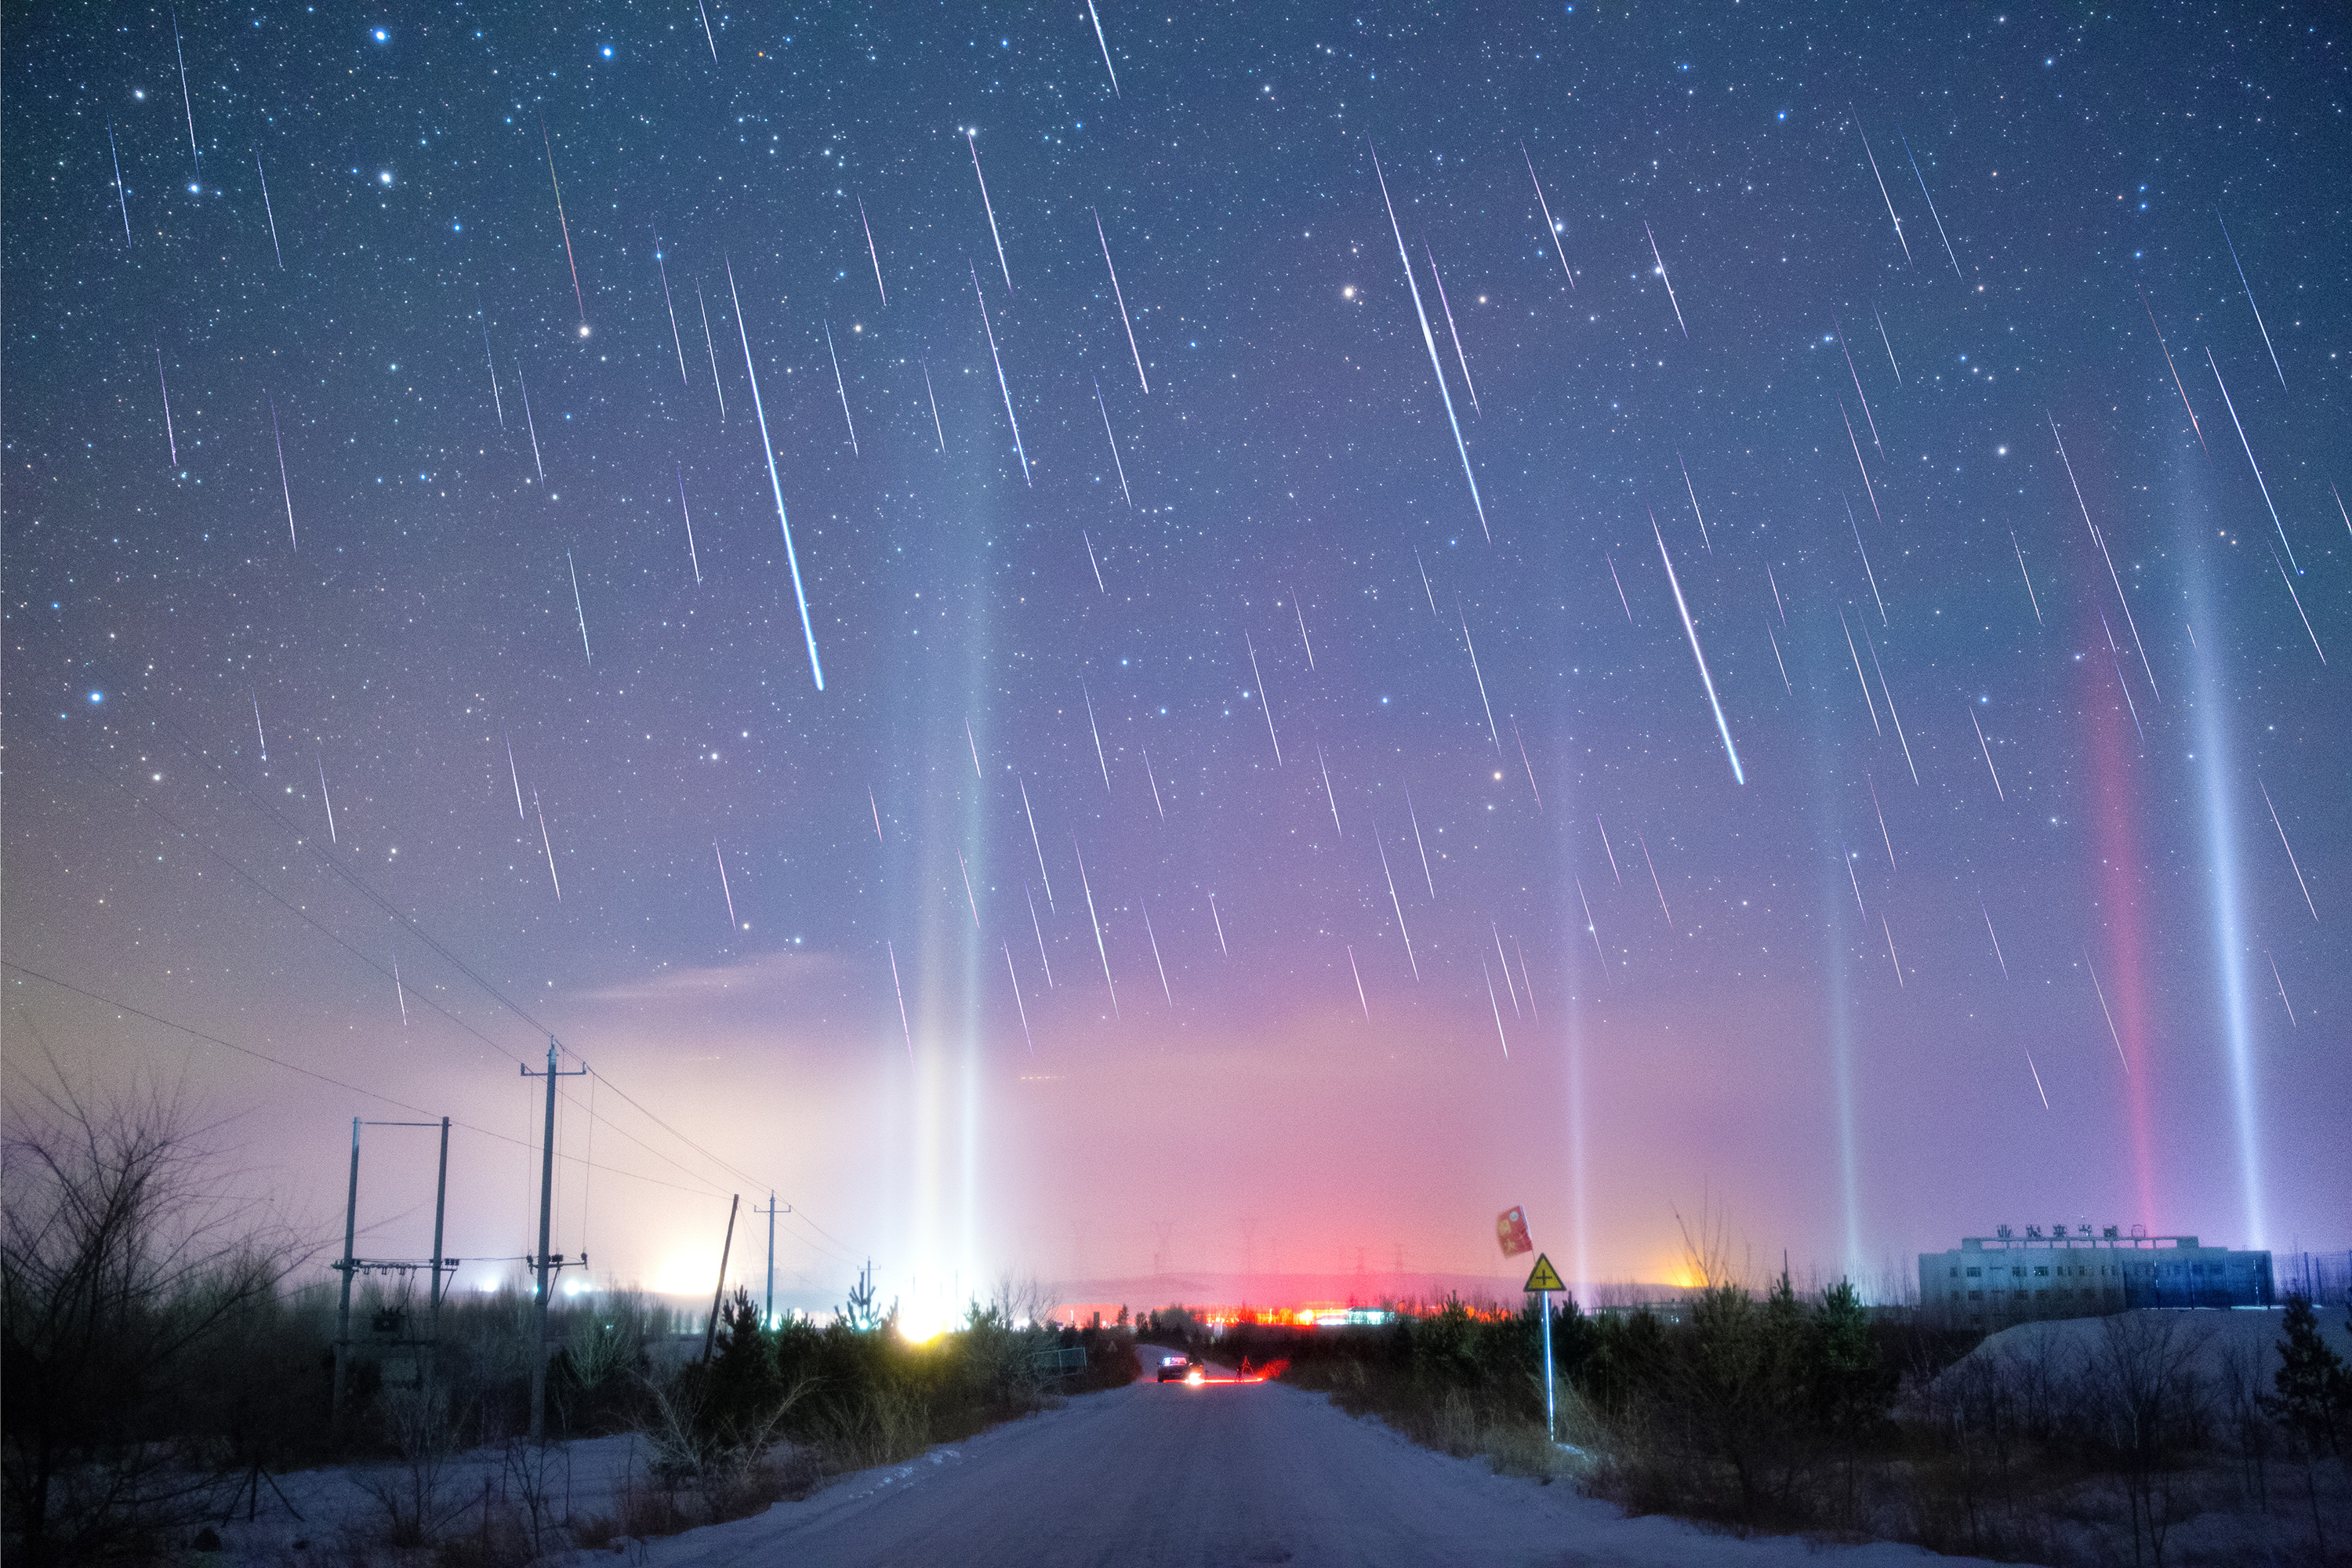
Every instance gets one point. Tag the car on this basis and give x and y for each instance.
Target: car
(1175, 1368)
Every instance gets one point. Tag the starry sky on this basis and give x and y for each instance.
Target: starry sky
(1864, 761)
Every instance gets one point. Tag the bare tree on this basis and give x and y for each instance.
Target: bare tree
(123, 1256)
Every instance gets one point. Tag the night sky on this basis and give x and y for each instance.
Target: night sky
(2001, 925)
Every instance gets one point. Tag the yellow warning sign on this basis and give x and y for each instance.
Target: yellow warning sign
(1545, 1277)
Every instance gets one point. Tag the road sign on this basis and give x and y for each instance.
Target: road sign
(1511, 1232)
(1545, 1277)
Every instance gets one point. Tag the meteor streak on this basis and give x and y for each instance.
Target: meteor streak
(1882, 820)
(1012, 417)
(878, 815)
(1429, 341)
(707, 39)
(1425, 588)
(1491, 1002)
(1017, 1003)
(1448, 309)
(489, 358)
(577, 297)
(875, 255)
(2241, 266)
(2097, 991)
(1590, 928)
(1114, 458)
(328, 800)
(578, 608)
(904, 1027)
(1777, 659)
(1524, 763)
(2037, 1081)
(1394, 902)
(1526, 981)
(1722, 726)
(1865, 553)
(1333, 799)
(258, 731)
(400, 993)
(2122, 685)
(1220, 925)
(1100, 951)
(1652, 865)
(1550, 227)
(1361, 999)
(2275, 977)
(2174, 369)
(511, 773)
(691, 554)
(676, 341)
(2251, 464)
(267, 211)
(972, 140)
(1481, 679)
(1265, 703)
(283, 487)
(1040, 930)
(1098, 735)
(1988, 755)
(1847, 855)
(2031, 597)
(1121, 299)
(1301, 612)
(966, 890)
(1995, 940)
(1105, 47)
(2288, 847)
(724, 889)
(189, 104)
(937, 429)
(547, 844)
(1867, 486)
(2100, 540)
(840, 389)
(1089, 541)
(119, 196)
(1154, 782)
(1693, 490)
(532, 424)
(1888, 341)
(768, 450)
(1155, 952)
(1620, 583)
(1415, 818)
(1606, 849)
(168, 434)
(1776, 593)
(1858, 396)
(1867, 700)
(975, 750)
(1504, 959)
(1669, 282)
(1893, 957)
(1040, 848)
(1886, 692)
(2298, 605)
(1931, 206)
(711, 344)
(1884, 197)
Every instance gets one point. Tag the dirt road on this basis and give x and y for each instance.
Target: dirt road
(1158, 1476)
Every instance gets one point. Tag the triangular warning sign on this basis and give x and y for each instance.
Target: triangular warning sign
(1544, 1277)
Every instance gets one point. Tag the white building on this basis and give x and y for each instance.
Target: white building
(1992, 1281)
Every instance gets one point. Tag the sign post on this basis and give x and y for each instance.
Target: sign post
(1541, 1282)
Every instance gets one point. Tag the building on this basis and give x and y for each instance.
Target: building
(1991, 1281)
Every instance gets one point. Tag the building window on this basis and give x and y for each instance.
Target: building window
(1976, 1295)
(1974, 1272)
(2042, 1272)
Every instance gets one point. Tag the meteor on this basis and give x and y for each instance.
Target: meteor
(1858, 463)
(1220, 925)
(1858, 396)
(2241, 266)
(512, 774)
(530, 423)
(1100, 951)
(1001, 386)
(1524, 763)
(328, 800)
(1114, 457)
(578, 608)
(1550, 227)
(1458, 355)
(966, 890)
(1669, 282)
(1939, 228)
(1089, 541)
(2122, 685)
(768, 450)
(1607, 849)
(1888, 341)
(707, 39)
(972, 140)
(1865, 553)
(1415, 818)
(1105, 47)
(168, 434)
(2288, 847)
(547, 844)
(1361, 999)
(258, 731)
(1847, 855)
(1988, 755)
(1154, 782)
(1155, 952)
(1035, 845)
(871, 252)
(1497, 1007)
(1693, 490)
(1777, 659)
(2101, 540)
(577, 297)
(2097, 991)
(937, 429)
(119, 196)
(2298, 605)
(1301, 613)
(1040, 930)
(1481, 678)
(1590, 928)
(1425, 588)
(691, 554)
(1891, 956)
(905, 1029)
(1265, 703)
(1394, 902)
(1017, 1003)
(1620, 585)
(283, 487)
(1882, 818)
(2037, 1081)
(1868, 701)
(1327, 796)
(267, 211)
(878, 816)
(2174, 369)
(1996, 940)
(840, 389)
(1722, 726)
(671, 305)
(1526, 981)
(1099, 758)
(1652, 865)
(2278, 979)
(724, 889)
(1776, 592)
(975, 750)
(2251, 464)
(1884, 197)
(189, 103)
(1429, 341)
(2031, 597)
(1886, 692)
(400, 993)
(489, 358)
(1504, 959)
(1122, 301)
(711, 344)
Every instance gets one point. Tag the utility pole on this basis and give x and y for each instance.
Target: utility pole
(711, 1333)
(349, 1267)
(440, 1212)
(770, 1211)
(546, 1219)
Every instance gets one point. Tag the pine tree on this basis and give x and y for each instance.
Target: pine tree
(2314, 1391)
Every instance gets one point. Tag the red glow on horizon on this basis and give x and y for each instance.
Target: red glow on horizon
(2114, 826)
